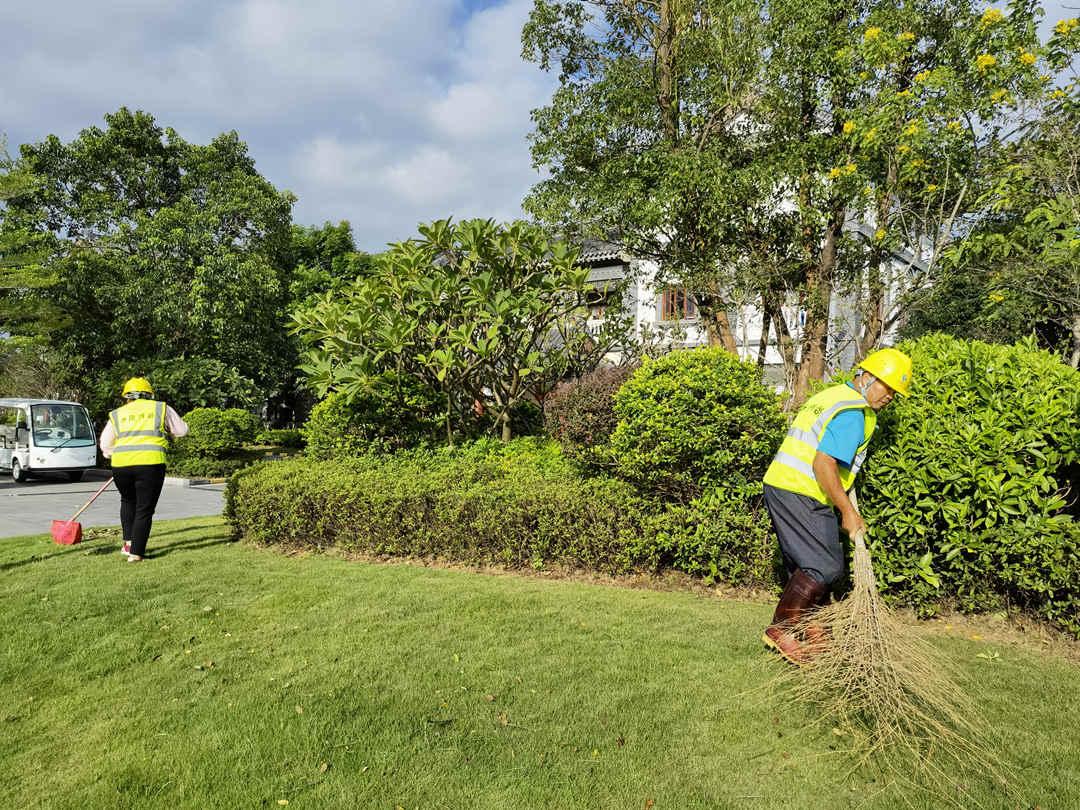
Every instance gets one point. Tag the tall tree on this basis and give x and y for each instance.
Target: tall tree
(167, 250)
(737, 142)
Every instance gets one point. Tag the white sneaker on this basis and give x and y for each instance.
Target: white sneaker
(134, 558)
(125, 549)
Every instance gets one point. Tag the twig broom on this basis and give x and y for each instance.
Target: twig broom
(890, 694)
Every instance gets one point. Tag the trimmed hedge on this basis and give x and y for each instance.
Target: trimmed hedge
(216, 433)
(518, 505)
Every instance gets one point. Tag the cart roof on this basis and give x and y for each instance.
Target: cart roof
(22, 402)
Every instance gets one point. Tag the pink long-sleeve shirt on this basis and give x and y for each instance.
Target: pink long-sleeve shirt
(175, 426)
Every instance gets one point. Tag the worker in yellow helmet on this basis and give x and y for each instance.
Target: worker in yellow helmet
(136, 438)
(806, 492)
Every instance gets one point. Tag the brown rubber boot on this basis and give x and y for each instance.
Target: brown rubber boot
(801, 593)
(816, 636)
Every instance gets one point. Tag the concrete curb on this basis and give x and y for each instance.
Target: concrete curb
(192, 482)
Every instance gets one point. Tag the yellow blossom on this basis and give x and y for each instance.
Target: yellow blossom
(1065, 26)
(903, 94)
(906, 36)
(1028, 58)
(931, 188)
(922, 75)
(991, 16)
(849, 127)
(999, 96)
(954, 126)
(871, 135)
(879, 234)
(863, 75)
(912, 128)
(1059, 93)
(850, 168)
(984, 61)
(872, 33)
(834, 174)
(996, 297)
(903, 149)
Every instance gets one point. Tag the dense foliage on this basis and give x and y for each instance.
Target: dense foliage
(970, 489)
(217, 432)
(487, 315)
(519, 504)
(186, 384)
(693, 420)
(580, 413)
(156, 249)
(879, 113)
(391, 414)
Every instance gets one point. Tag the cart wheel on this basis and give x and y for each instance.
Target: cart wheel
(75, 476)
(17, 471)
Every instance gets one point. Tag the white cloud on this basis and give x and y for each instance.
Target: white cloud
(383, 113)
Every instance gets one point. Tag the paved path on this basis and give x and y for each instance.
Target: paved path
(30, 507)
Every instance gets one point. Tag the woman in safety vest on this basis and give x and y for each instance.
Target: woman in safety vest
(135, 439)
(806, 489)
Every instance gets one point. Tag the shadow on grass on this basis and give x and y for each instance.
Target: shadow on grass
(189, 545)
(196, 527)
(107, 545)
(102, 546)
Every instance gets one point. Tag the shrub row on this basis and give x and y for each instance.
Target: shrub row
(518, 505)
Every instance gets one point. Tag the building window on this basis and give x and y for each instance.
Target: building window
(677, 304)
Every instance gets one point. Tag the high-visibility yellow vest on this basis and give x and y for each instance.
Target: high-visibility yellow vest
(140, 433)
(793, 467)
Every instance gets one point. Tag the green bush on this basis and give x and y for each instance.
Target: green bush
(966, 489)
(520, 504)
(580, 413)
(390, 416)
(692, 420)
(281, 437)
(214, 433)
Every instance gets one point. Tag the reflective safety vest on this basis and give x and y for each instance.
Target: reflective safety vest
(140, 433)
(793, 467)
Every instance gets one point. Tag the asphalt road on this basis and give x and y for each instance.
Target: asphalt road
(30, 507)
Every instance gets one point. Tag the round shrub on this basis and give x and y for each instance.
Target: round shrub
(216, 433)
(580, 413)
(692, 420)
(386, 417)
(973, 468)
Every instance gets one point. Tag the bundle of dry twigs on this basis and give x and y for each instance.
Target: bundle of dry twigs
(887, 692)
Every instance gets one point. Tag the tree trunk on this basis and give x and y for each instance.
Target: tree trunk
(874, 316)
(763, 341)
(1075, 360)
(718, 328)
(667, 84)
(818, 297)
(783, 342)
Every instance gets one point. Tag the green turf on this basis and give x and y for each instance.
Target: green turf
(220, 675)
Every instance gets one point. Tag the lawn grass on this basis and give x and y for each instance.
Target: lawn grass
(218, 675)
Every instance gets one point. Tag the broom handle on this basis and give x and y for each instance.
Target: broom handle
(92, 499)
(859, 540)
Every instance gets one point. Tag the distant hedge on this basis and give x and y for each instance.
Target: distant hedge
(519, 505)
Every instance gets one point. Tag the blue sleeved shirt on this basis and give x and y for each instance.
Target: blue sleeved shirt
(843, 435)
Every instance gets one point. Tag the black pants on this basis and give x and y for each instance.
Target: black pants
(140, 488)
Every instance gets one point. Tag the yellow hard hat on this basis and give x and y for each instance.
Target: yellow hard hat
(137, 385)
(892, 367)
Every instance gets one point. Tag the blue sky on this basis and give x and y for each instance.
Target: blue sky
(382, 112)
